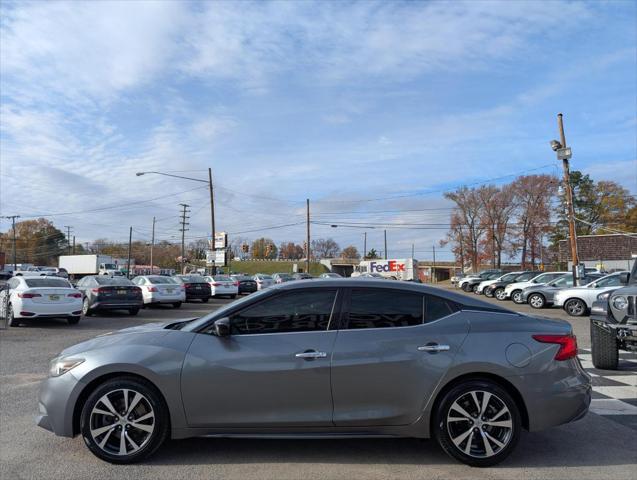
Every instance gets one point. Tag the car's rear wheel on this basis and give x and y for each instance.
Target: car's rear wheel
(604, 349)
(477, 423)
(575, 307)
(74, 320)
(465, 287)
(11, 320)
(233, 296)
(499, 294)
(516, 296)
(537, 300)
(177, 305)
(124, 420)
(86, 308)
(205, 300)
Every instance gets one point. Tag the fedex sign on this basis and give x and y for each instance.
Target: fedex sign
(390, 266)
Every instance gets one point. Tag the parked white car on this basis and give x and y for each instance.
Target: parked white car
(514, 290)
(158, 289)
(263, 281)
(502, 278)
(577, 301)
(223, 285)
(41, 297)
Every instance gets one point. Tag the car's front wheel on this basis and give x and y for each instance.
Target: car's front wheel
(537, 300)
(575, 307)
(124, 420)
(86, 308)
(488, 293)
(516, 296)
(604, 349)
(499, 294)
(477, 423)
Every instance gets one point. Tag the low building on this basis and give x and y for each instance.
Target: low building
(605, 252)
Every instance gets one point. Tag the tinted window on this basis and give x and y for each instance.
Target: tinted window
(526, 277)
(375, 308)
(222, 278)
(46, 282)
(304, 311)
(104, 280)
(192, 279)
(614, 281)
(435, 308)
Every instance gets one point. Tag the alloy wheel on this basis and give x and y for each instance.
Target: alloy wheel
(499, 294)
(575, 308)
(517, 297)
(479, 424)
(122, 422)
(536, 301)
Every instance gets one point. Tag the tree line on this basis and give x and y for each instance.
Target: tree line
(490, 222)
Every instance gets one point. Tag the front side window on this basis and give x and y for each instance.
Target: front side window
(376, 308)
(302, 311)
(614, 281)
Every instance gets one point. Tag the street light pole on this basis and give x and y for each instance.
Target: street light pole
(307, 240)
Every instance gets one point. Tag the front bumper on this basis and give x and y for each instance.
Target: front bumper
(58, 396)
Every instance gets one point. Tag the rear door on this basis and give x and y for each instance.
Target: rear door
(392, 349)
(272, 371)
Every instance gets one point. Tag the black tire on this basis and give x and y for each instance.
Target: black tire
(516, 296)
(498, 293)
(205, 300)
(11, 320)
(133, 311)
(536, 300)
(575, 307)
(465, 287)
(233, 296)
(74, 320)
(153, 399)
(604, 348)
(474, 288)
(86, 309)
(443, 429)
(177, 305)
(488, 293)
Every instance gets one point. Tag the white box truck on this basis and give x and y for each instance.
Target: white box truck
(82, 265)
(396, 268)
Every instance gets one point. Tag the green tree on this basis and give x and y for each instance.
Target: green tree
(37, 241)
(372, 254)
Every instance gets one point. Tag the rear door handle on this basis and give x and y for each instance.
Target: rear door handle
(433, 348)
(311, 354)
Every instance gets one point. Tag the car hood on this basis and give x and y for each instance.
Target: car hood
(147, 334)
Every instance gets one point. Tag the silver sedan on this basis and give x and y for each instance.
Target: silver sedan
(328, 358)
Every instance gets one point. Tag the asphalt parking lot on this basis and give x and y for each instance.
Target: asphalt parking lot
(597, 447)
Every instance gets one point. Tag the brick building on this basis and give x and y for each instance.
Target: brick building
(613, 252)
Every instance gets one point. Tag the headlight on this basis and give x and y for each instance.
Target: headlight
(60, 366)
(603, 297)
(620, 302)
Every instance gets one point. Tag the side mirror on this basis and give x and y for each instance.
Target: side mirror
(222, 327)
(624, 277)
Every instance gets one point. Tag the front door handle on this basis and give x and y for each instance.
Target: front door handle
(433, 348)
(311, 354)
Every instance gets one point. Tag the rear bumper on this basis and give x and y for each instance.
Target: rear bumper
(117, 305)
(46, 310)
(197, 296)
(225, 291)
(179, 297)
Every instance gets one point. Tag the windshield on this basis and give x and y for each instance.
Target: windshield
(263, 277)
(222, 278)
(104, 280)
(494, 276)
(38, 282)
(508, 277)
(284, 275)
(192, 278)
(526, 277)
(161, 280)
(562, 281)
(110, 266)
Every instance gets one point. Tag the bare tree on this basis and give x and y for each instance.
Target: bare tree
(469, 211)
(498, 207)
(325, 248)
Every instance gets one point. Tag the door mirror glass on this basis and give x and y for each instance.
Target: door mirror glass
(624, 277)
(222, 327)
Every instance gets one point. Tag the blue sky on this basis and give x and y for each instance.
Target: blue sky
(336, 101)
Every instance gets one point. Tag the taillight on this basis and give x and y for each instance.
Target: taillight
(75, 295)
(98, 290)
(152, 289)
(236, 284)
(137, 291)
(567, 343)
(187, 286)
(216, 284)
(28, 295)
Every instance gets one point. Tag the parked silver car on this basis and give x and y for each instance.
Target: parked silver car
(328, 358)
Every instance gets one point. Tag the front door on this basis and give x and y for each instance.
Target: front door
(272, 371)
(391, 351)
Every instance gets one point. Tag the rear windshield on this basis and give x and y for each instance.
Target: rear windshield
(104, 280)
(264, 277)
(192, 279)
(241, 278)
(47, 282)
(161, 280)
(222, 278)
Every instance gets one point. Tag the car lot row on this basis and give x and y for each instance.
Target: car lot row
(544, 289)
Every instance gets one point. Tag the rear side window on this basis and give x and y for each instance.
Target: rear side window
(435, 308)
(301, 311)
(376, 308)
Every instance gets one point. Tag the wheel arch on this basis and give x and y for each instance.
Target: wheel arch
(498, 380)
(96, 382)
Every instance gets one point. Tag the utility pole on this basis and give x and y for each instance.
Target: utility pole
(433, 268)
(68, 237)
(183, 230)
(569, 198)
(307, 256)
(152, 245)
(385, 231)
(412, 251)
(73, 244)
(212, 218)
(130, 245)
(364, 245)
(15, 256)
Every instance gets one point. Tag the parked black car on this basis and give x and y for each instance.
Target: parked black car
(197, 288)
(497, 288)
(246, 284)
(101, 292)
(471, 285)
